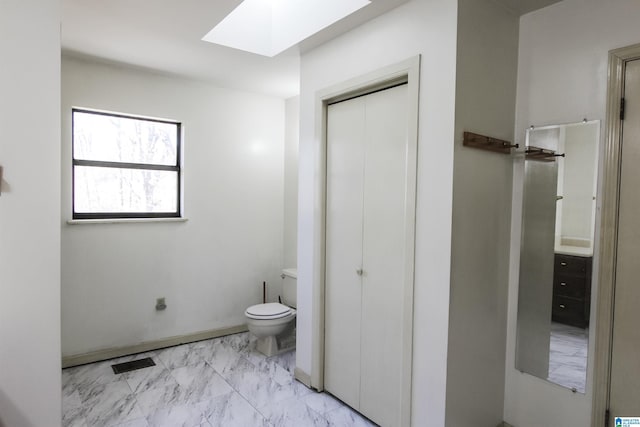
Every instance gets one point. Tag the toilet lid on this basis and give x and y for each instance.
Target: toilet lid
(270, 310)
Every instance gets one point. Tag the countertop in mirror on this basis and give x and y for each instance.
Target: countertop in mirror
(573, 250)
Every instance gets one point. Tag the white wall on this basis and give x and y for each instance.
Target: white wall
(485, 103)
(29, 213)
(562, 78)
(426, 27)
(292, 136)
(209, 268)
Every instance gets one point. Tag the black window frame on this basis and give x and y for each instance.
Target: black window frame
(126, 165)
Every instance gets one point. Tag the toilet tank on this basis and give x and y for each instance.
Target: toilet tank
(289, 286)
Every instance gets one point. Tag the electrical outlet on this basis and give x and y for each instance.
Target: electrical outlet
(160, 304)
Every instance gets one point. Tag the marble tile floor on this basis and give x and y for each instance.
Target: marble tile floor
(568, 356)
(222, 382)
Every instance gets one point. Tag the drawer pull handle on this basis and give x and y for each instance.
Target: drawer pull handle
(564, 264)
(563, 284)
(561, 305)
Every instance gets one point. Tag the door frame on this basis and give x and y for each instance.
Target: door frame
(608, 231)
(406, 71)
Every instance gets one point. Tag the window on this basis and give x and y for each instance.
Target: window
(124, 167)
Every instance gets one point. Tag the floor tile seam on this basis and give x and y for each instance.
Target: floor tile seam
(84, 409)
(77, 385)
(173, 376)
(316, 412)
(144, 413)
(171, 407)
(200, 361)
(220, 375)
(87, 400)
(235, 390)
(344, 405)
(171, 371)
(295, 399)
(246, 359)
(135, 389)
(253, 366)
(172, 368)
(272, 362)
(99, 418)
(71, 384)
(231, 393)
(156, 359)
(160, 387)
(129, 387)
(214, 369)
(339, 402)
(286, 368)
(258, 410)
(227, 383)
(86, 422)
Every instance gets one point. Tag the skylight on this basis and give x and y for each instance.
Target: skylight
(268, 27)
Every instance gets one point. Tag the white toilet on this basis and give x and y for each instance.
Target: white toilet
(274, 323)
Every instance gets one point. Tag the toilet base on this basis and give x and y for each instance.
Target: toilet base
(272, 345)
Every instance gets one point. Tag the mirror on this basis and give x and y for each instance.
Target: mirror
(558, 222)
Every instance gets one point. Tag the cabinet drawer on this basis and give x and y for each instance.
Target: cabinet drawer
(569, 286)
(569, 311)
(570, 265)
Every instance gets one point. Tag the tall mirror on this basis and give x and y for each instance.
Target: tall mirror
(558, 222)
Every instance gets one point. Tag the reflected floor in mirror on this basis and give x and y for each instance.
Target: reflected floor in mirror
(568, 356)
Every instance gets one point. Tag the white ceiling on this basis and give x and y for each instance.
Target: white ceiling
(166, 35)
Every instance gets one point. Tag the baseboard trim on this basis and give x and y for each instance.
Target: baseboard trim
(302, 376)
(110, 353)
(504, 424)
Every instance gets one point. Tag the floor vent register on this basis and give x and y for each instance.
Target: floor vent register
(120, 368)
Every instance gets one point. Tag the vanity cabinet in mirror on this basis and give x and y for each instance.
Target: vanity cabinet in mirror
(554, 296)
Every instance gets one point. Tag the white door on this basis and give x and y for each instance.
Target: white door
(366, 241)
(625, 356)
(343, 290)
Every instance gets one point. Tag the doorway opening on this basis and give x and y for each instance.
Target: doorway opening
(619, 62)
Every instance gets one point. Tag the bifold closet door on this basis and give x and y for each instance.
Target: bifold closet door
(383, 255)
(365, 252)
(345, 182)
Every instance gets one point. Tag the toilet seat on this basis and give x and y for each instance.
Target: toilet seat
(268, 311)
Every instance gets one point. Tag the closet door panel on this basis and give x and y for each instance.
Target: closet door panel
(384, 216)
(345, 167)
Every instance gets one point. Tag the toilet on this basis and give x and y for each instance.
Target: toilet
(274, 323)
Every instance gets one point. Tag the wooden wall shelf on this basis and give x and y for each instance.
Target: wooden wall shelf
(482, 142)
(541, 154)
